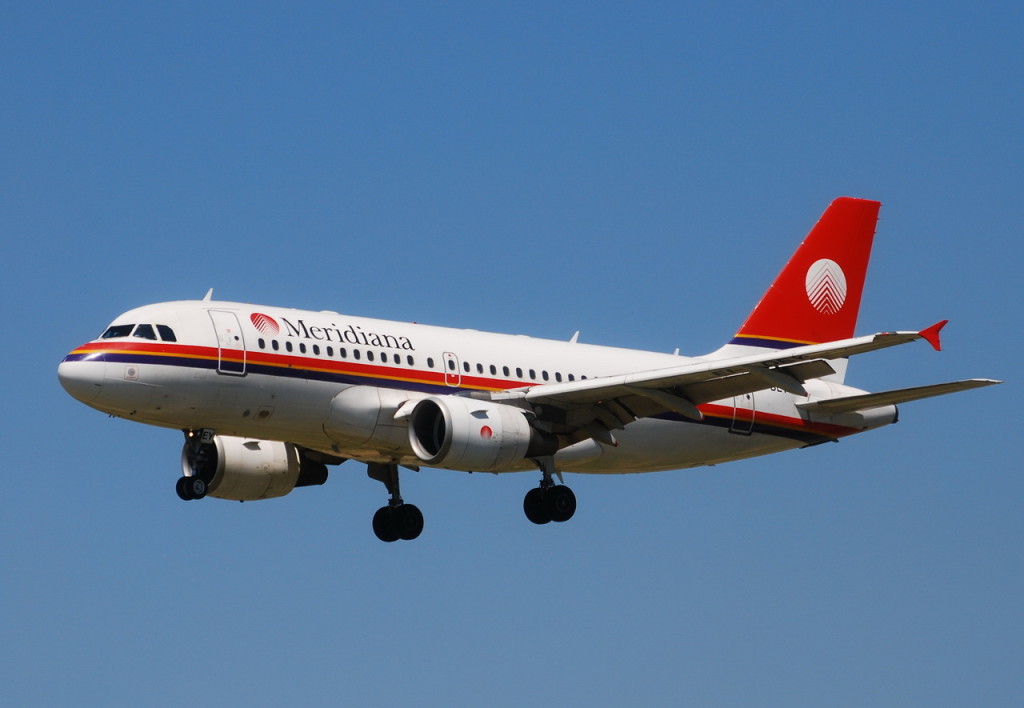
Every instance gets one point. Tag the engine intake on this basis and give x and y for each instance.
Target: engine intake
(244, 469)
(467, 434)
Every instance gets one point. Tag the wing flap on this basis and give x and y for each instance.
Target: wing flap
(850, 404)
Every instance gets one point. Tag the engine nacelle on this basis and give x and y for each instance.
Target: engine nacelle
(364, 417)
(244, 469)
(467, 434)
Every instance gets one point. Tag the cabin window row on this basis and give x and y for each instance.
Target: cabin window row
(386, 358)
(507, 372)
(342, 352)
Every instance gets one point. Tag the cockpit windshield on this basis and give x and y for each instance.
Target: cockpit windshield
(142, 331)
(115, 331)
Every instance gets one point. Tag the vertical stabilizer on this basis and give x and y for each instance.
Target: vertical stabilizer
(816, 297)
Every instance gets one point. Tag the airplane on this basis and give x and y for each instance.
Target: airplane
(269, 397)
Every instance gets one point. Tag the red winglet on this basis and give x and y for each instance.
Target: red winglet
(931, 334)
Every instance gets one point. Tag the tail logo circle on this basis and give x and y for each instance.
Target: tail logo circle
(826, 286)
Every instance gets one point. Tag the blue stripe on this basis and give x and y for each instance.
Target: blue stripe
(765, 343)
(269, 370)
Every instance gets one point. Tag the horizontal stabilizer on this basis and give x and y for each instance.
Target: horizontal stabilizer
(850, 404)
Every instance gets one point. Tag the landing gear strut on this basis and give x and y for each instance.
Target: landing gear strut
(549, 501)
(397, 520)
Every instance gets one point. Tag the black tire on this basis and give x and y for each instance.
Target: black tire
(183, 489)
(560, 503)
(408, 521)
(534, 507)
(384, 525)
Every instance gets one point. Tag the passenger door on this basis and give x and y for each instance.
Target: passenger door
(743, 414)
(230, 343)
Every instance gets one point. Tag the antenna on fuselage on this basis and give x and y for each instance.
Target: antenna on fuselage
(208, 296)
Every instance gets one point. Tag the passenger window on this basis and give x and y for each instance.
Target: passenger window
(558, 376)
(519, 373)
(355, 354)
(410, 361)
(274, 345)
(288, 346)
(144, 331)
(533, 375)
(261, 343)
(118, 331)
(316, 350)
(330, 351)
(505, 371)
(302, 347)
(398, 359)
(571, 377)
(465, 366)
(544, 375)
(369, 356)
(430, 362)
(343, 352)
(479, 368)
(494, 369)
(166, 333)
(451, 364)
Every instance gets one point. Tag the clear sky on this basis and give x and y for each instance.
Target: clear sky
(637, 171)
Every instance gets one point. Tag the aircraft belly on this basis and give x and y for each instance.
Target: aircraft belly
(257, 406)
(653, 445)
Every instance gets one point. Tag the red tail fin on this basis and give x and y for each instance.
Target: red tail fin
(816, 297)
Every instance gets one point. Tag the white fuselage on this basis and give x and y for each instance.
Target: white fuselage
(275, 374)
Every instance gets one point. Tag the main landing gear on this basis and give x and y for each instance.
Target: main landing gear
(397, 520)
(549, 501)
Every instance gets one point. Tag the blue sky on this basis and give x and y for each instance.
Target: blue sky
(637, 171)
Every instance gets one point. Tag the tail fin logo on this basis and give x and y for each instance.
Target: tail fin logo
(826, 286)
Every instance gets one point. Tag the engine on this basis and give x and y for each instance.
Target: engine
(467, 434)
(243, 469)
(364, 416)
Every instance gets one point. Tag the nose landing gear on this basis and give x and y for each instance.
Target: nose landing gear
(199, 458)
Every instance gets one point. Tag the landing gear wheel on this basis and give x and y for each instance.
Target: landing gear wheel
(408, 521)
(189, 488)
(534, 507)
(196, 487)
(183, 489)
(559, 503)
(384, 525)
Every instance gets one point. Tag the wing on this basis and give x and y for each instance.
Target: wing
(617, 400)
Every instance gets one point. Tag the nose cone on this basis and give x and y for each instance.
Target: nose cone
(82, 379)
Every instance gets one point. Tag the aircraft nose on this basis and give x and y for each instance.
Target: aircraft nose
(82, 379)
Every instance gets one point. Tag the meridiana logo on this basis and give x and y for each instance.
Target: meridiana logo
(265, 324)
(826, 286)
(351, 333)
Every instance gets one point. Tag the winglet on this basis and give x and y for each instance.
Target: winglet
(931, 334)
